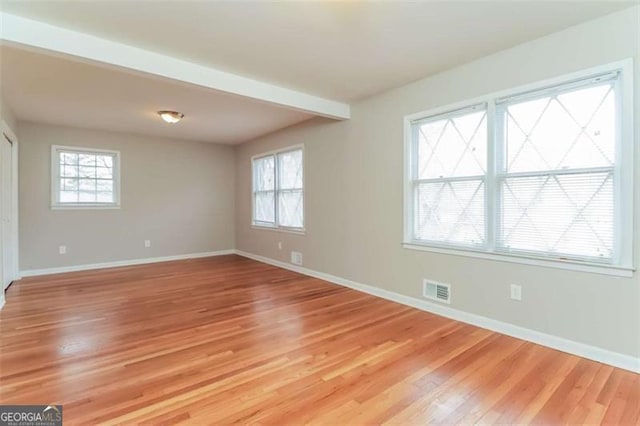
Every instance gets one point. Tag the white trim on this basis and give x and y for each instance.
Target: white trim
(28, 32)
(491, 196)
(85, 207)
(55, 179)
(626, 164)
(625, 65)
(119, 263)
(543, 92)
(594, 353)
(9, 132)
(409, 173)
(622, 263)
(295, 231)
(572, 265)
(16, 204)
(453, 112)
(278, 151)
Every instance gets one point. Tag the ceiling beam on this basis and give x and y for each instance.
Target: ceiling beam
(27, 32)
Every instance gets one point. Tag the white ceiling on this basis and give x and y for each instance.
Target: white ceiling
(56, 90)
(344, 51)
(339, 50)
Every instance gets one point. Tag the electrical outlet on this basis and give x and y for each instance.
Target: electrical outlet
(147, 243)
(62, 249)
(516, 292)
(279, 245)
(296, 258)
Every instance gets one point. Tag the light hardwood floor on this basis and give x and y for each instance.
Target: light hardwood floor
(228, 339)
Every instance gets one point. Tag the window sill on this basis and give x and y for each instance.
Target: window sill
(294, 231)
(571, 265)
(86, 207)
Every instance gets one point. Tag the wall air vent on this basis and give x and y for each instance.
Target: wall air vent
(436, 291)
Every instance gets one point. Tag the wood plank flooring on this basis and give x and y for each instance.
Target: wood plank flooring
(227, 339)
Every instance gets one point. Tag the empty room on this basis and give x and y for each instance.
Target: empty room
(319, 212)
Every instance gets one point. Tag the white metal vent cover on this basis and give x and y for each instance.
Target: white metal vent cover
(434, 290)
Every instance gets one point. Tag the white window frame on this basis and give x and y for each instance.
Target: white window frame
(275, 227)
(623, 264)
(55, 179)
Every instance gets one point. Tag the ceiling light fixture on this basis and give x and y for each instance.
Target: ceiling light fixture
(171, 117)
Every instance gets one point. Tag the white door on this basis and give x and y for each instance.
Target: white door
(6, 185)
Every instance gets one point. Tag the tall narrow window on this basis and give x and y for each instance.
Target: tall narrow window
(84, 178)
(278, 190)
(264, 191)
(290, 191)
(449, 177)
(544, 173)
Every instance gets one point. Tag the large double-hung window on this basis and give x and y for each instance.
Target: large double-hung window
(543, 174)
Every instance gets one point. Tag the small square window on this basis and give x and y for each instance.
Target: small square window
(84, 178)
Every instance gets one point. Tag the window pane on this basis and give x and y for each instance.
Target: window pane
(575, 129)
(68, 197)
(87, 197)
(87, 159)
(264, 205)
(264, 174)
(105, 197)
(69, 158)
(104, 185)
(87, 185)
(104, 173)
(450, 212)
(104, 161)
(69, 184)
(290, 205)
(290, 169)
(86, 177)
(567, 214)
(454, 146)
(87, 172)
(69, 171)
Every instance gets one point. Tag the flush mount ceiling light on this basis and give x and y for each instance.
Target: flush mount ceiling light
(171, 117)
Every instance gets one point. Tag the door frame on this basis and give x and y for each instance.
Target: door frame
(4, 127)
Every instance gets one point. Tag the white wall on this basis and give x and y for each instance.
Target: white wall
(354, 186)
(178, 194)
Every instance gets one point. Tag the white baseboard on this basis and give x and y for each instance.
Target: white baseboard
(595, 353)
(48, 271)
